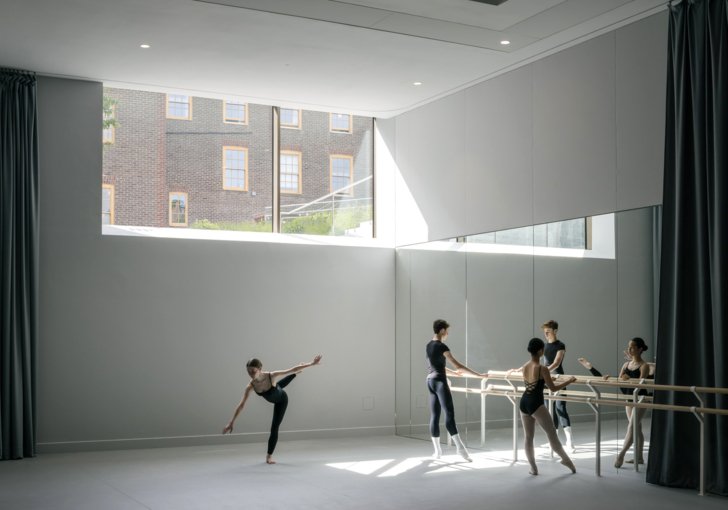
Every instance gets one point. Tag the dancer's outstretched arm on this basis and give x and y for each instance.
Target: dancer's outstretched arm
(229, 427)
(461, 367)
(294, 370)
(550, 382)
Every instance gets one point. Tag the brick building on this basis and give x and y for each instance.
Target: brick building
(180, 161)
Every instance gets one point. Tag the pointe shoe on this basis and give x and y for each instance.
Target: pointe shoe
(631, 461)
(569, 465)
(619, 461)
(464, 454)
(462, 451)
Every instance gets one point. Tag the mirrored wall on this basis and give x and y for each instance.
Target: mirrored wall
(595, 276)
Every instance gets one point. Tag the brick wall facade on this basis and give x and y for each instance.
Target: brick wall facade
(152, 156)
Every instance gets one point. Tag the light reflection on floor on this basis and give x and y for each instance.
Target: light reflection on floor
(480, 460)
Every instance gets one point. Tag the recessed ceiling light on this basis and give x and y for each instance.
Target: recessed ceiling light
(505, 42)
(145, 46)
(417, 83)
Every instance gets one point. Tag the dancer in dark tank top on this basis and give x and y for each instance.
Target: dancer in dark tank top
(635, 368)
(532, 407)
(267, 385)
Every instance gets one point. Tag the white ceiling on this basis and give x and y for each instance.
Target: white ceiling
(357, 56)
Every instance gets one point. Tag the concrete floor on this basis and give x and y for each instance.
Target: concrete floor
(378, 473)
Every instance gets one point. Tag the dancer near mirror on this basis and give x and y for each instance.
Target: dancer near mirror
(267, 385)
(438, 354)
(554, 354)
(532, 407)
(635, 368)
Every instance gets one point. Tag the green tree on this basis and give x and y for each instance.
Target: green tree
(109, 117)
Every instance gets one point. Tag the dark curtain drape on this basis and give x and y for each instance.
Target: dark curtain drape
(18, 262)
(692, 342)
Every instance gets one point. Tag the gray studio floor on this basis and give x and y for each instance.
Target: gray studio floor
(365, 473)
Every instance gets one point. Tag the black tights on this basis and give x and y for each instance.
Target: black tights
(279, 411)
(440, 397)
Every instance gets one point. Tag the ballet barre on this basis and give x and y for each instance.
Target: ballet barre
(595, 399)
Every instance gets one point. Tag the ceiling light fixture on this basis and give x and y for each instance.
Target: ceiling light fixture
(417, 83)
(145, 46)
(505, 42)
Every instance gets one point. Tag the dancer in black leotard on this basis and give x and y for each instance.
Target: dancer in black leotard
(438, 354)
(533, 411)
(265, 385)
(635, 368)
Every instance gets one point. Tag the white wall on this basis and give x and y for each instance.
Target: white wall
(143, 341)
(578, 133)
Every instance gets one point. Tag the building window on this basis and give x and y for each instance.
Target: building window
(109, 131)
(235, 168)
(235, 112)
(341, 173)
(339, 123)
(107, 204)
(178, 209)
(290, 118)
(179, 107)
(290, 172)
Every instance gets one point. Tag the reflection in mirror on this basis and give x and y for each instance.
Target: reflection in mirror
(595, 276)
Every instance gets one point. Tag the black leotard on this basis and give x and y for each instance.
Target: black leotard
(633, 374)
(274, 394)
(532, 397)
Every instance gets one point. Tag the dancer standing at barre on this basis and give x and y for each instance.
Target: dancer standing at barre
(267, 385)
(438, 354)
(533, 411)
(554, 354)
(635, 368)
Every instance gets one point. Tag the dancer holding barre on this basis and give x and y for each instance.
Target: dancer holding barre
(533, 410)
(438, 354)
(635, 368)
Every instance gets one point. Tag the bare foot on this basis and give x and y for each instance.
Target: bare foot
(569, 465)
(269, 459)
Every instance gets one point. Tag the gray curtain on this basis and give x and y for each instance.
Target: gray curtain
(18, 263)
(692, 341)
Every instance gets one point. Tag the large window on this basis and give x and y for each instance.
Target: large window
(179, 107)
(226, 173)
(573, 234)
(290, 172)
(235, 168)
(178, 209)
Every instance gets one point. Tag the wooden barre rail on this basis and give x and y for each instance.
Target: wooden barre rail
(599, 381)
(600, 401)
(595, 400)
